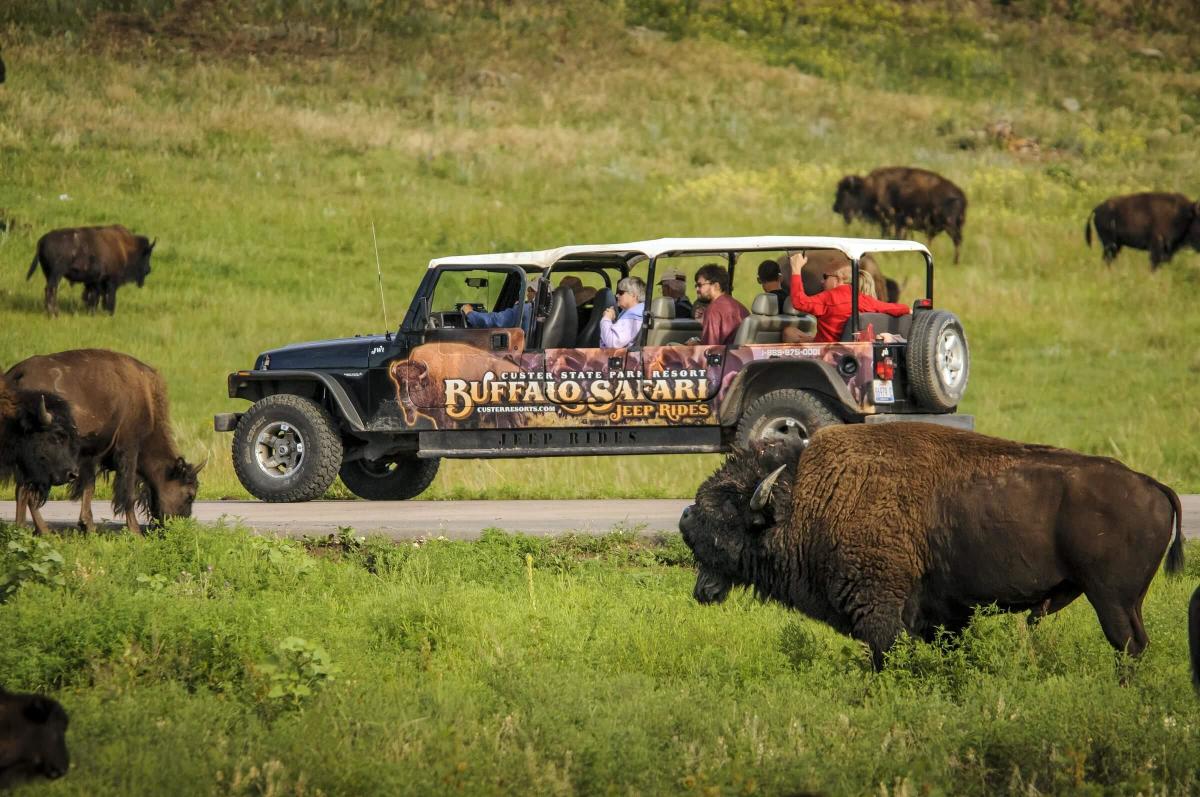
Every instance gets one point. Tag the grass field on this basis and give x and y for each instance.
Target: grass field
(209, 661)
(260, 153)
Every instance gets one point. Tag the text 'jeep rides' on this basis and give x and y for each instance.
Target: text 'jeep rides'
(382, 410)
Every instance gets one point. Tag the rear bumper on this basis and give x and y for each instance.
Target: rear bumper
(952, 419)
(226, 421)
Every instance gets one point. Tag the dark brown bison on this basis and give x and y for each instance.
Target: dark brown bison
(120, 409)
(33, 738)
(1, 70)
(900, 199)
(39, 444)
(102, 258)
(882, 529)
(1160, 223)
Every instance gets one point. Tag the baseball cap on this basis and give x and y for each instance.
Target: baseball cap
(671, 274)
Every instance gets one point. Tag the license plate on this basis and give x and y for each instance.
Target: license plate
(883, 392)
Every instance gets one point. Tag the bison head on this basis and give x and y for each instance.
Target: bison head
(42, 440)
(33, 738)
(748, 495)
(851, 196)
(141, 266)
(173, 495)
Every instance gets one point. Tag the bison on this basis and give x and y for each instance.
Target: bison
(33, 738)
(1160, 223)
(120, 408)
(102, 258)
(39, 443)
(881, 529)
(899, 199)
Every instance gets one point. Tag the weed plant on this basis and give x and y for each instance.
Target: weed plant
(259, 147)
(442, 667)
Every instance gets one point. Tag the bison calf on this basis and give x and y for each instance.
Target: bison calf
(102, 258)
(33, 738)
(1160, 223)
(883, 529)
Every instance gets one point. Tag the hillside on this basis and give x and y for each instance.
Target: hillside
(260, 146)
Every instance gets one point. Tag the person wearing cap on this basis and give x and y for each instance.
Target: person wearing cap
(512, 317)
(771, 280)
(673, 284)
(618, 332)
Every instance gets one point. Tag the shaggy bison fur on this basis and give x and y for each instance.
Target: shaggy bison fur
(883, 529)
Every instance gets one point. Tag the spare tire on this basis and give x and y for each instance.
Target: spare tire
(939, 361)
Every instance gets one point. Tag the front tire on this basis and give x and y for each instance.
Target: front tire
(286, 449)
(783, 416)
(398, 479)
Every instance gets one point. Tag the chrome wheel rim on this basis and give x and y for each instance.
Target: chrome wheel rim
(950, 359)
(279, 450)
(782, 429)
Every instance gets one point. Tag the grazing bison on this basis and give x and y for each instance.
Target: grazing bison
(39, 444)
(881, 529)
(102, 258)
(120, 409)
(33, 738)
(1160, 223)
(900, 199)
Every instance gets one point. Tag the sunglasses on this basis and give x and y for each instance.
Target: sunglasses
(620, 293)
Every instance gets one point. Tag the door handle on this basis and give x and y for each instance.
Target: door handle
(713, 358)
(500, 341)
(615, 362)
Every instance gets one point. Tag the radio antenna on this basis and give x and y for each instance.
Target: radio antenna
(387, 328)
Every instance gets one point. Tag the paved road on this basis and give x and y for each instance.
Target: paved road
(456, 520)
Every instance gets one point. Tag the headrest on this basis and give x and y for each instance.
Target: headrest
(765, 304)
(663, 307)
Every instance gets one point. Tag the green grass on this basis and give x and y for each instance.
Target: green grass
(458, 668)
(259, 156)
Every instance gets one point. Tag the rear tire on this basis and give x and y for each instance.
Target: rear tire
(939, 361)
(404, 477)
(286, 449)
(784, 416)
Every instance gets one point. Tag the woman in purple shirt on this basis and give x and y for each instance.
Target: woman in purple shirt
(619, 332)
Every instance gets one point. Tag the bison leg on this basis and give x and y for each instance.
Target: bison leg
(125, 490)
(51, 296)
(1111, 250)
(26, 499)
(1120, 623)
(110, 299)
(91, 297)
(880, 627)
(86, 488)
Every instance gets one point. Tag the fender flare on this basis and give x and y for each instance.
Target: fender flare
(254, 385)
(815, 375)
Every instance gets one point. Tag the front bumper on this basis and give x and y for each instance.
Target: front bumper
(226, 421)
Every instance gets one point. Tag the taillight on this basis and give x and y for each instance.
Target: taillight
(922, 304)
(885, 369)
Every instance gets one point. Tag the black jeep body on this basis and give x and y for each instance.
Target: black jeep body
(382, 410)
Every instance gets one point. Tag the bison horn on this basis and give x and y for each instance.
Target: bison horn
(762, 493)
(44, 414)
(203, 464)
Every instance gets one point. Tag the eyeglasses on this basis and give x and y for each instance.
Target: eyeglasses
(619, 293)
(700, 284)
(827, 276)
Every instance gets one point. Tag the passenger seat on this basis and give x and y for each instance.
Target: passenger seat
(765, 324)
(666, 328)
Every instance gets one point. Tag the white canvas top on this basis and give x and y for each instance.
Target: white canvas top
(852, 247)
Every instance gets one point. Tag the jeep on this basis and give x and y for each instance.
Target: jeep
(381, 411)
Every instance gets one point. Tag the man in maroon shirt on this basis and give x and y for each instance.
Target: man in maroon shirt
(724, 314)
(832, 305)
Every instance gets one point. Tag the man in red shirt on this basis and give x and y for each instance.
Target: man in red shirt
(832, 305)
(724, 314)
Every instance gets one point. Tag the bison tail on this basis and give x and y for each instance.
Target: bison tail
(1194, 636)
(1087, 229)
(32, 266)
(1175, 551)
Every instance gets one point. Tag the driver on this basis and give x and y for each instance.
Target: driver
(515, 316)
